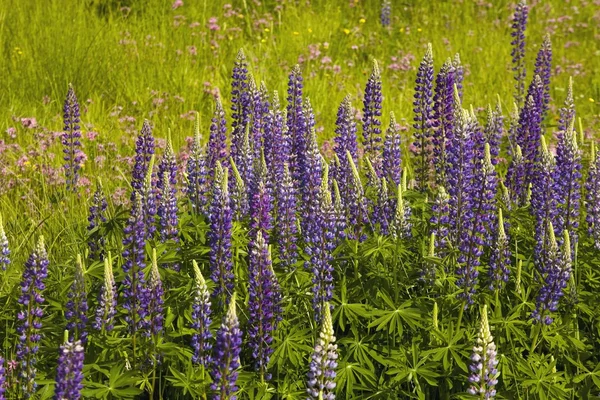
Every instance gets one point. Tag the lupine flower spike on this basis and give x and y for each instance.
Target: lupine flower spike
(226, 358)
(4, 249)
(107, 300)
(386, 12)
(321, 376)
(518, 52)
(500, 257)
(401, 225)
(96, 217)
(484, 360)
(155, 301)
(201, 320)
(592, 187)
(2, 379)
(197, 173)
(77, 307)
(423, 109)
(69, 374)
(392, 152)
(71, 140)
(372, 118)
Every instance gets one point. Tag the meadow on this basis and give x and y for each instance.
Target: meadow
(299, 199)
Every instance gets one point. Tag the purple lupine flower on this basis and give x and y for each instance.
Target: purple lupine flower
(29, 318)
(96, 217)
(261, 203)
(321, 374)
(259, 112)
(77, 306)
(286, 227)
(440, 221)
(296, 125)
(226, 357)
(543, 69)
(499, 257)
(107, 300)
(148, 194)
(423, 109)
(515, 178)
(530, 129)
(155, 300)
(240, 106)
(219, 237)
(217, 141)
(2, 379)
(71, 140)
(459, 74)
(168, 165)
(168, 220)
(494, 130)
(4, 249)
(264, 308)
(386, 13)
(277, 141)
(197, 172)
(592, 187)
(484, 360)
(443, 112)
(239, 196)
(135, 294)
(567, 112)
(513, 129)
(372, 119)
(392, 152)
(69, 373)
(144, 150)
(518, 51)
(567, 184)
(345, 140)
(555, 273)
(310, 188)
(201, 339)
(339, 215)
(382, 209)
(401, 225)
(357, 212)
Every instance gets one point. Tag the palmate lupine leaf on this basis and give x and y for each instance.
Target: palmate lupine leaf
(394, 316)
(293, 348)
(353, 377)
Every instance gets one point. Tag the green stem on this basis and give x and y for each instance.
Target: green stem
(460, 315)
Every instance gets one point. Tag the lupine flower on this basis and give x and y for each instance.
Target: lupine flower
(321, 374)
(77, 307)
(2, 379)
(500, 257)
(443, 112)
(484, 375)
(440, 221)
(244, 176)
(567, 112)
(296, 125)
(459, 72)
(168, 220)
(240, 106)
(69, 374)
(259, 112)
(4, 249)
(217, 140)
(372, 117)
(516, 178)
(518, 51)
(277, 141)
(134, 290)
(338, 209)
(386, 12)
(201, 339)
(592, 187)
(513, 129)
(286, 227)
(29, 318)
(73, 155)
(423, 118)
(383, 208)
(226, 357)
(555, 272)
(197, 172)
(567, 185)
(264, 308)
(401, 225)
(144, 150)
(148, 196)
(310, 189)
(356, 208)
(543, 69)
(107, 300)
(239, 195)
(392, 152)
(261, 203)
(345, 140)
(219, 237)
(96, 217)
(494, 130)
(168, 164)
(530, 129)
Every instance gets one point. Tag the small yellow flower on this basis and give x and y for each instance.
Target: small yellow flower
(296, 33)
(263, 41)
(309, 30)
(267, 30)
(402, 30)
(362, 20)
(419, 29)
(591, 100)
(347, 31)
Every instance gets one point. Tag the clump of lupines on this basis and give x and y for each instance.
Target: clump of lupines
(386, 13)
(155, 298)
(69, 374)
(529, 134)
(423, 109)
(286, 226)
(71, 140)
(518, 51)
(4, 249)
(226, 357)
(197, 172)
(201, 319)
(443, 112)
(77, 307)
(259, 114)
(392, 152)
(240, 106)
(107, 300)
(277, 143)
(543, 69)
(219, 237)
(484, 375)
(29, 318)
(144, 150)
(96, 217)
(592, 187)
(264, 308)
(372, 119)
(499, 257)
(321, 374)
(555, 272)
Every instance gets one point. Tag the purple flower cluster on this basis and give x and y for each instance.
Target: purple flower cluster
(107, 300)
(155, 299)
(197, 173)
(73, 155)
(144, 150)
(4, 249)
(440, 221)
(423, 109)
(484, 374)
(494, 130)
(401, 225)
(567, 112)
(386, 13)
(286, 226)
(29, 318)
(167, 195)
(321, 374)
(345, 140)
(240, 107)
(96, 217)
(217, 141)
(77, 307)
(69, 374)
(499, 257)
(443, 112)
(201, 320)
(2, 379)
(297, 125)
(392, 152)
(592, 187)
(372, 118)
(518, 51)
(543, 69)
